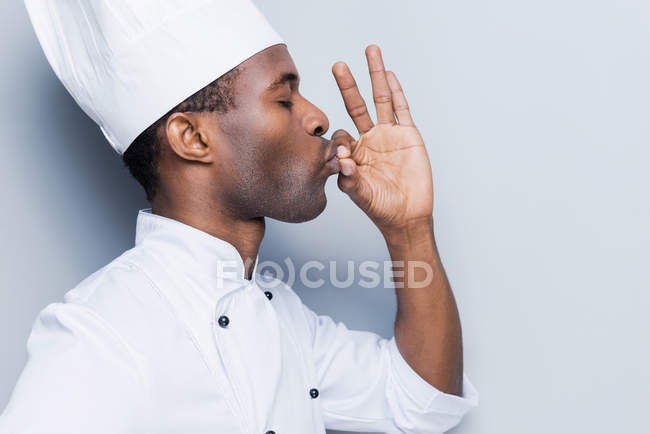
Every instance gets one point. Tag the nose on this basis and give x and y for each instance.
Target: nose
(315, 121)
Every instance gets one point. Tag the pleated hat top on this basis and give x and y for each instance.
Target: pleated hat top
(128, 62)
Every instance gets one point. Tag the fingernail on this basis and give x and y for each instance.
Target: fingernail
(346, 170)
(341, 151)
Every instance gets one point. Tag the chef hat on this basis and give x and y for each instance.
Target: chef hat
(128, 62)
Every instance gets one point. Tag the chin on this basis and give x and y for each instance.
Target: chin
(303, 209)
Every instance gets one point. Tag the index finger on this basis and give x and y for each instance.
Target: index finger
(354, 103)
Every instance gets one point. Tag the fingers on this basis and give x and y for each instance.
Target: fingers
(348, 180)
(348, 175)
(400, 105)
(351, 183)
(350, 171)
(354, 103)
(380, 90)
(389, 98)
(342, 139)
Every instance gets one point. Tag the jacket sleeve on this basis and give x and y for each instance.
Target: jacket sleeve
(366, 384)
(79, 378)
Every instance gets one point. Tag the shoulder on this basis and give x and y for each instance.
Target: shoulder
(95, 315)
(72, 329)
(116, 309)
(119, 278)
(120, 292)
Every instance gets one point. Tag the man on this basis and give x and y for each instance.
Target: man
(180, 334)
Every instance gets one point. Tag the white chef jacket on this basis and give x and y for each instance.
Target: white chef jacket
(165, 340)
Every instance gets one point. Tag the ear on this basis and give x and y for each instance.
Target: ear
(187, 137)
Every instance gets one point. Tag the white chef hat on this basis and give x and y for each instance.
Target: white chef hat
(128, 62)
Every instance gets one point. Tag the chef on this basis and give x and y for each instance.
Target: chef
(180, 333)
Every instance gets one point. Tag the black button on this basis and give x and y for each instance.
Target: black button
(223, 320)
(270, 432)
(313, 393)
(268, 294)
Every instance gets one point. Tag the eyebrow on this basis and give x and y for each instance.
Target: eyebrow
(284, 78)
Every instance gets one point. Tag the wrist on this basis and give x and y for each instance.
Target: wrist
(412, 232)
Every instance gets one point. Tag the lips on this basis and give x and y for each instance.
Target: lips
(333, 164)
(332, 153)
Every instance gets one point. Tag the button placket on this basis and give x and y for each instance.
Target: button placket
(223, 321)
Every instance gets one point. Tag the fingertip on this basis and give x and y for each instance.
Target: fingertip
(372, 47)
(339, 68)
(347, 166)
(347, 180)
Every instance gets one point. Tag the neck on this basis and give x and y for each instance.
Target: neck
(245, 235)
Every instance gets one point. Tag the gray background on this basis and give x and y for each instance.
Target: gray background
(537, 120)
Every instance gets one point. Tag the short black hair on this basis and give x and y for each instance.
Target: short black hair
(141, 157)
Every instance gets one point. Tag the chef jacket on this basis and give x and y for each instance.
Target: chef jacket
(165, 339)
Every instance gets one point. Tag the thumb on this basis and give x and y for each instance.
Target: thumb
(349, 172)
(348, 180)
(352, 183)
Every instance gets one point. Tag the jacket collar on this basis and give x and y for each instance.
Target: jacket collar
(191, 251)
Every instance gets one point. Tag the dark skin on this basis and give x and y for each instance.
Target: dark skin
(223, 173)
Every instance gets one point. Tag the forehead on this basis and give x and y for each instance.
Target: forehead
(266, 68)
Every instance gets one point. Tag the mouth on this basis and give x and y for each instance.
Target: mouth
(332, 162)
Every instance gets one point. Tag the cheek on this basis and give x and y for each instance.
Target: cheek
(268, 126)
(276, 142)
(270, 150)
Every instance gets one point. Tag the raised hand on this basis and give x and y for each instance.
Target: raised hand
(386, 172)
